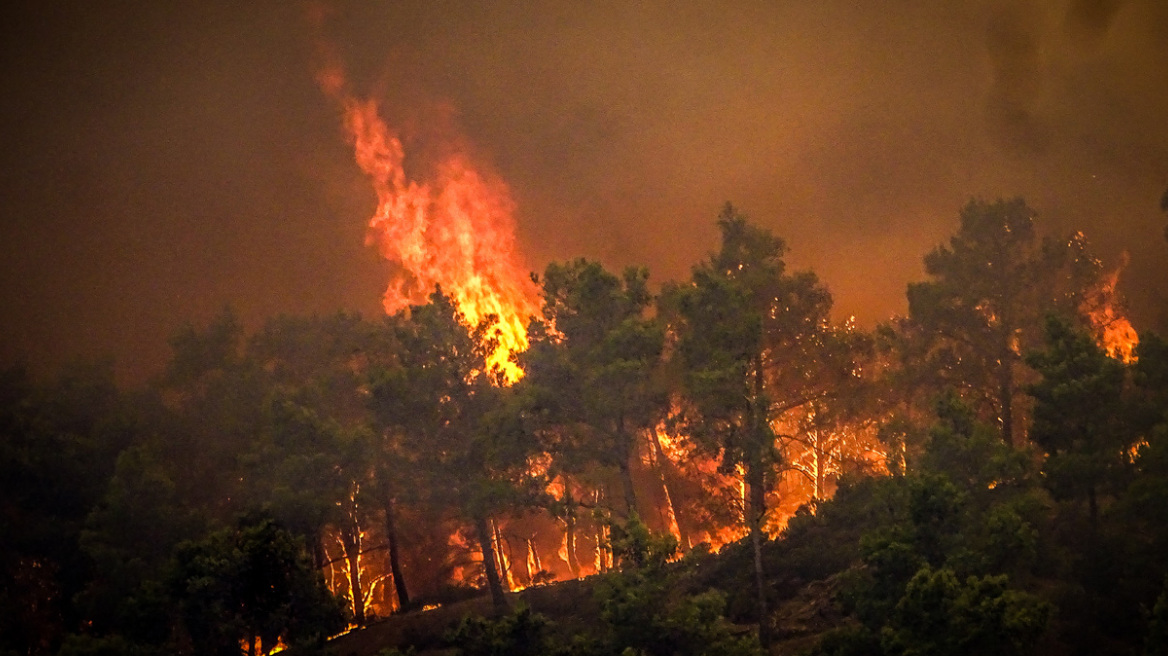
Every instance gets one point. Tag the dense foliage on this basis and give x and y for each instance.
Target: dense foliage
(980, 476)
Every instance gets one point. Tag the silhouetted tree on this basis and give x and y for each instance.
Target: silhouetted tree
(455, 421)
(1079, 418)
(989, 291)
(730, 322)
(130, 536)
(252, 585)
(591, 365)
(940, 614)
(319, 368)
(59, 442)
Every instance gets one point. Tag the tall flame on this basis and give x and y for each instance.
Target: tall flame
(455, 229)
(1114, 332)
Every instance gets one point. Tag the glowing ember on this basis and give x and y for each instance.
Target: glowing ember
(454, 230)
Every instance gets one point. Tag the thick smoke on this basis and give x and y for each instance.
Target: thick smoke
(1014, 44)
(1088, 21)
(161, 160)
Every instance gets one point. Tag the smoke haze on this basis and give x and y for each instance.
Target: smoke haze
(162, 160)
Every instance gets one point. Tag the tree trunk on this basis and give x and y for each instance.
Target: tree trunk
(501, 555)
(570, 539)
(603, 549)
(820, 457)
(490, 567)
(320, 559)
(1006, 397)
(625, 451)
(535, 556)
(673, 520)
(351, 541)
(755, 512)
(756, 478)
(626, 477)
(399, 581)
(602, 560)
(532, 560)
(669, 514)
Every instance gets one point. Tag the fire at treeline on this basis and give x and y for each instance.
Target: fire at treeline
(396, 460)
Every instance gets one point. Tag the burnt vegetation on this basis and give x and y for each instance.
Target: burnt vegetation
(714, 468)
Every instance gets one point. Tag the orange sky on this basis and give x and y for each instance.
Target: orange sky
(161, 160)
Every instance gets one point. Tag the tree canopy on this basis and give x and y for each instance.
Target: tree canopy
(984, 474)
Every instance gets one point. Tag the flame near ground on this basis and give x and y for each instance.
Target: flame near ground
(454, 227)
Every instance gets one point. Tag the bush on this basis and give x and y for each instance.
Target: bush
(521, 633)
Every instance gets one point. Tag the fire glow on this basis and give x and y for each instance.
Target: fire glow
(1114, 332)
(454, 230)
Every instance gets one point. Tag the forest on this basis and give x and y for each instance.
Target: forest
(712, 466)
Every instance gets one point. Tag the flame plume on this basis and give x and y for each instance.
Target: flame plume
(1104, 310)
(455, 229)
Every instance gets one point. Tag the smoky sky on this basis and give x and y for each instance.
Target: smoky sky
(163, 160)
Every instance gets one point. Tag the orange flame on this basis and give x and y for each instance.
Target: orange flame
(455, 230)
(1114, 332)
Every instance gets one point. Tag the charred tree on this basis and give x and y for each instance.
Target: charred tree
(490, 565)
(570, 532)
(351, 544)
(625, 451)
(395, 568)
(461, 428)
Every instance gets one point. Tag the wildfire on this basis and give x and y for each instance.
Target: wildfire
(1103, 309)
(455, 229)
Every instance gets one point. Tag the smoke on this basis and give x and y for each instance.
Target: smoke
(163, 159)
(1014, 44)
(1088, 21)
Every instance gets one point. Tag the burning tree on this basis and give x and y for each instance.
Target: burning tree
(989, 291)
(310, 471)
(452, 227)
(1079, 418)
(252, 586)
(591, 366)
(731, 323)
(455, 421)
(315, 462)
(821, 443)
(823, 404)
